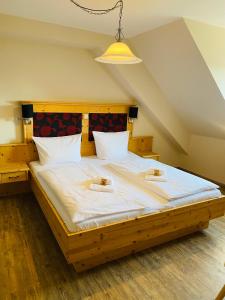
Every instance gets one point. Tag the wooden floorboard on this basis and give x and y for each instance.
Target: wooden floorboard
(33, 267)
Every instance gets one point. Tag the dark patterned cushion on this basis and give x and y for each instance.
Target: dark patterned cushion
(106, 123)
(57, 124)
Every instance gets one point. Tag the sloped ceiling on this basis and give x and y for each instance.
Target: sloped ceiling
(171, 55)
(136, 80)
(210, 41)
(21, 28)
(139, 16)
(139, 83)
(174, 84)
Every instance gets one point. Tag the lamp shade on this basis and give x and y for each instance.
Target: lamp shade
(133, 112)
(118, 53)
(27, 111)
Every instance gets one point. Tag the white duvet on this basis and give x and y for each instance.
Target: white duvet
(80, 208)
(179, 184)
(70, 183)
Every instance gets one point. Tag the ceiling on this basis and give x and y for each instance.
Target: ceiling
(139, 16)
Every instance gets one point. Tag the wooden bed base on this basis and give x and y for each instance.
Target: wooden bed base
(89, 248)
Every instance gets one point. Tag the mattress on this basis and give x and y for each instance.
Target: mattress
(64, 185)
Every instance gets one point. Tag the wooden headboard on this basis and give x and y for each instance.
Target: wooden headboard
(87, 147)
(27, 150)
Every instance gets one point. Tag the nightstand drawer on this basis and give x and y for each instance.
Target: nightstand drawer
(13, 177)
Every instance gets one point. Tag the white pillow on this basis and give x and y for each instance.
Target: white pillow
(61, 149)
(111, 145)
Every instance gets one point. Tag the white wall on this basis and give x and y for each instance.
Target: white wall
(37, 70)
(31, 70)
(139, 82)
(206, 157)
(170, 54)
(161, 144)
(182, 57)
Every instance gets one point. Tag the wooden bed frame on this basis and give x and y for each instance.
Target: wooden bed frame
(88, 248)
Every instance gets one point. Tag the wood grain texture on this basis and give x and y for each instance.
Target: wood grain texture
(72, 107)
(14, 178)
(32, 265)
(13, 172)
(88, 248)
(17, 153)
(13, 167)
(27, 151)
(27, 131)
(140, 144)
(87, 147)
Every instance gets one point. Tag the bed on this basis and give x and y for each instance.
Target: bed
(93, 239)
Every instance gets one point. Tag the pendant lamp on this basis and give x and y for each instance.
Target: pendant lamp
(118, 52)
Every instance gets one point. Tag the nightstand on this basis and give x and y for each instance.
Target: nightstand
(148, 154)
(11, 172)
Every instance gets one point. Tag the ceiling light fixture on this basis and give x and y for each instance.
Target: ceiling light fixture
(118, 52)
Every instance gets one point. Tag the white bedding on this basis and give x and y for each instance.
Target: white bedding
(67, 187)
(178, 184)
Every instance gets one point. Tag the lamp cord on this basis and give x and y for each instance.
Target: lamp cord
(119, 4)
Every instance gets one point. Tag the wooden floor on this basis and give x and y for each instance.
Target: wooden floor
(33, 267)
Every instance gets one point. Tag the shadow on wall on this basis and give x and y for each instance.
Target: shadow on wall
(11, 113)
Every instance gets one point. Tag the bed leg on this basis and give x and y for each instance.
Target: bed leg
(203, 225)
(79, 268)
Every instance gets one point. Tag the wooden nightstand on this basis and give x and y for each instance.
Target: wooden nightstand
(148, 154)
(13, 172)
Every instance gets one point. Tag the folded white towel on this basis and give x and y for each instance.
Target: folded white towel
(155, 178)
(101, 188)
(155, 172)
(103, 180)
